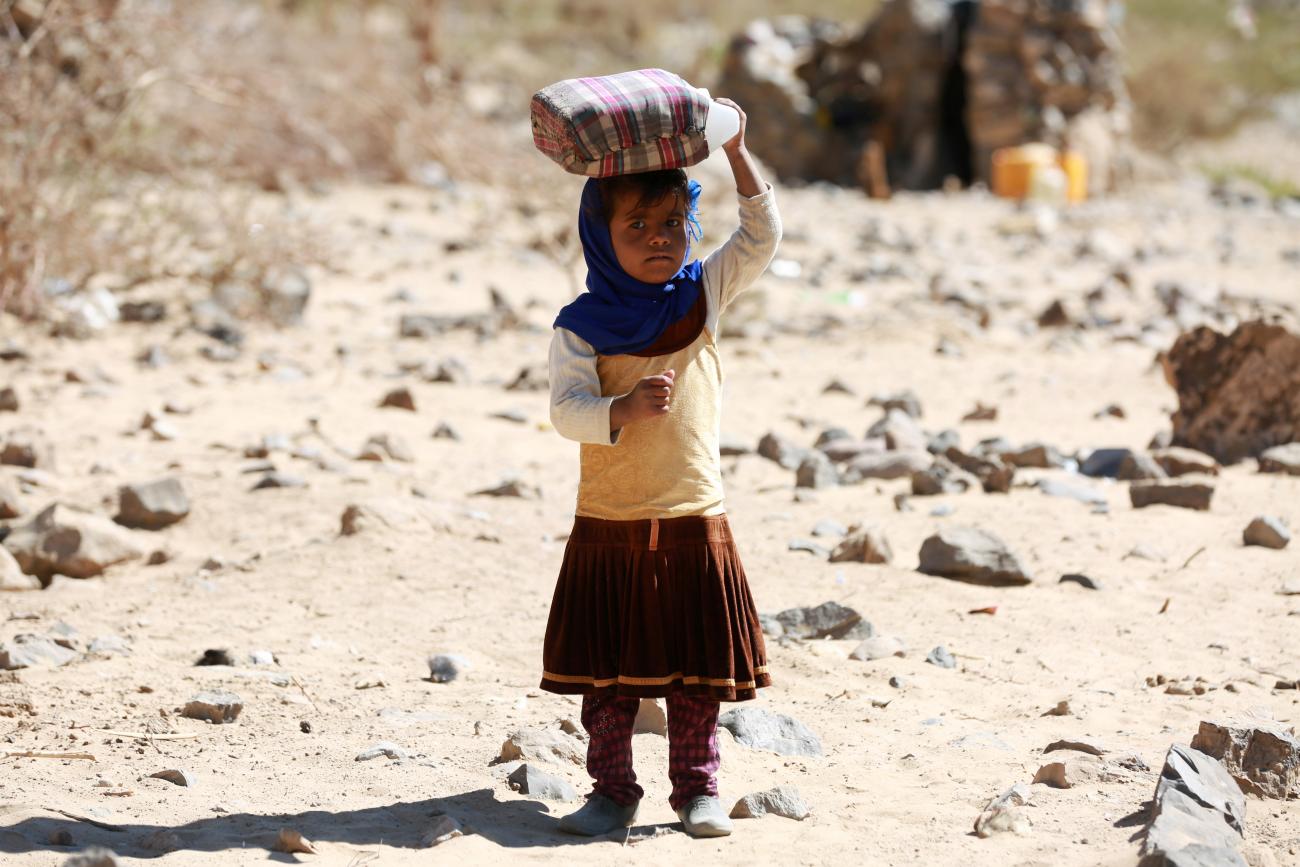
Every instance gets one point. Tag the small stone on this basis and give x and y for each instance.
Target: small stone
(279, 480)
(543, 745)
(1182, 462)
(1004, 813)
(1267, 531)
(291, 841)
(1069, 773)
(760, 729)
(898, 681)
(517, 416)
(11, 505)
(781, 450)
(1181, 495)
(981, 412)
(527, 780)
(61, 837)
(816, 471)
(863, 545)
(828, 527)
(33, 651)
(1061, 708)
(1279, 459)
(943, 477)
(27, 447)
(732, 447)
(1081, 580)
(828, 620)
(152, 506)
(901, 432)
(261, 657)
(1104, 463)
(176, 777)
(972, 555)
(1110, 410)
(386, 447)
(808, 547)
(445, 431)
(162, 841)
(62, 541)
(1035, 455)
(399, 398)
(446, 667)
(780, 801)
(387, 749)
(941, 657)
(889, 465)
(533, 377)
(93, 856)
(215, 707)
(1078, 745)
(651, 718)
(12, 577)
(1058, 488)
(109, 645)
(907, 401)
(880, 647)
(1145, 552)
(444, 828)
(511, 488)
(8, 399)
(1263, 758)
(1139, 467)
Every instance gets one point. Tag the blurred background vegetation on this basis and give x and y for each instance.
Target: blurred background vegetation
(136, 135)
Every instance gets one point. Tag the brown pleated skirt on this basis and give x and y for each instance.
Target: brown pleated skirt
(646, 608)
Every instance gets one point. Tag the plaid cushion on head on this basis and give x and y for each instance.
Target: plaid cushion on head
(639, 121)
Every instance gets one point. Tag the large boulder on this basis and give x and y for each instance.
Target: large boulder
(1198, 814)
(1239, 393)
(66, 542)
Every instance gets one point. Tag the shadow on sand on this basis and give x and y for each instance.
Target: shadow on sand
(513, 824)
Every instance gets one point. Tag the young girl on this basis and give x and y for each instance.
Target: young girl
(652, 599)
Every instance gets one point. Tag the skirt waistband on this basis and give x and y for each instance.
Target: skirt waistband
(652, 533)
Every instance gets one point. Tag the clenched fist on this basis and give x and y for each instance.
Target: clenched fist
(651, 397)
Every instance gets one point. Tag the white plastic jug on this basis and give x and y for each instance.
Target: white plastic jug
(721, 125)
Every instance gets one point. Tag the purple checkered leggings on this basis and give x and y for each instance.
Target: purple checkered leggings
(693, 758)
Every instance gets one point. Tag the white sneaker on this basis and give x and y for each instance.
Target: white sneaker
(703, 816)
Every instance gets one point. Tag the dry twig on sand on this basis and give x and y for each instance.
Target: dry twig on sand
(31, 754)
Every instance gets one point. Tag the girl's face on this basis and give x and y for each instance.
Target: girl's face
(649, 240)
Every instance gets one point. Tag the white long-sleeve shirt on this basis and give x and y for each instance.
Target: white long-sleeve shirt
(578, 411)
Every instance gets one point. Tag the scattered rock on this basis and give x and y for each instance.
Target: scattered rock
(760, 729)
(828, 527)
(399, 398)
(1078, 745)
(534, 377)
(651, 718)
(62, 541)
(941, 657)
(901, 432)
(981, 412)
(543, 745)
(528, 780)
(162, 841)
(1182, 495)
(1182, 462)
(444, 828)
(8, 399)
(1138, 467)
(972, 555)
(809, 547)
(1058, 488)
(942, 477)
(291, 841)
(152, 506)
(1068, 773)
(781, 801)
(781, 450)
(1081, 580)
(387, 749)
(1279, 459)
(1034, 455)
(863, 545)
(994, 475)
(215, 656)
(27, 447)
(215, 707)
(176, 777)
(1197, 815)
(906, 401)
(12, 576)
(1236, 393)
(889, 465)
(731, 447)
(445, 431)
(34, 651)
(109, 645)
(11, 505)
(879, 647)
(279, 480)
(446, 667)
(1110, 410)
(828, 620)
(1005, 813)
(1262, 757)
(1104, 463)
(816, 471)
(511, 488)
(1267, 531)
(386, 447)
(94, 856)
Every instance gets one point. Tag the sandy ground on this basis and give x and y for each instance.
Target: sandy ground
(899, 784)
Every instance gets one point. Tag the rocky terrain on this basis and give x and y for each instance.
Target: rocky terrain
(325, 623)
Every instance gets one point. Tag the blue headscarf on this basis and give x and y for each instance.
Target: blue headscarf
(619, 314)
